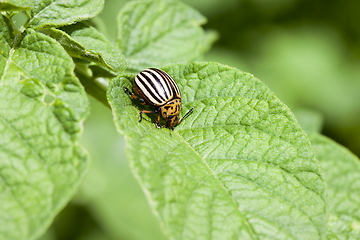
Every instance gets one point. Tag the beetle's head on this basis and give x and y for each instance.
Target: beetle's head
(170, 112)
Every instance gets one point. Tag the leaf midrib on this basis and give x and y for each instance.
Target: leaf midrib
(248, 225)
(293, 174)
(11, 53)
(263, 187)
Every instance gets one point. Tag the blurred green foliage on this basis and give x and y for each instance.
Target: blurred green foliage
(307, 52)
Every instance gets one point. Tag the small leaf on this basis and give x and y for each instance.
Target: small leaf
(57, 13)
(15, 5)
(342, 174)
(42, 107)
(154, 33)
(85, 42)
(239, 167)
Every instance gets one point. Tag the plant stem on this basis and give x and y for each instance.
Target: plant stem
(96, 87)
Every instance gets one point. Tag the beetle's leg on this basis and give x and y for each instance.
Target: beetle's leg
(187, 114)
(134, 96)
(158, 121)
(145, 111)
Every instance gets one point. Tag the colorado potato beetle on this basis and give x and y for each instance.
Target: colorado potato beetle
(156, 88)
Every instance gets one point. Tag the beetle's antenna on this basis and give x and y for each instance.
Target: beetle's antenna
(187, 114)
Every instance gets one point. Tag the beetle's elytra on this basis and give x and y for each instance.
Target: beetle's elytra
(156, 88)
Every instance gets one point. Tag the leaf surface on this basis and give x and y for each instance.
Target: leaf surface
(239, 167)
(15, 5)
(57, 13)
(42, 107)
(342, 174)
(111, 191)
(85, 42)
(154, 33)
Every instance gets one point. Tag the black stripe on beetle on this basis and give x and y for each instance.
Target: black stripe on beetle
(156, 88)
(174, 87)
(160, 80)
(165, 78)
(147, 85)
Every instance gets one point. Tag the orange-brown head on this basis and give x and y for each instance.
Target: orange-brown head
(170, 112)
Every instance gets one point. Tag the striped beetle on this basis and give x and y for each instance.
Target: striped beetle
(156, 88)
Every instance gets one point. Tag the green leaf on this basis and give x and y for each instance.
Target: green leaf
(85, 42)
(342, 174)
(154, 33)
(57, 13)
(109, 189)
(15, 5)
(239, 167)
(42, 107)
